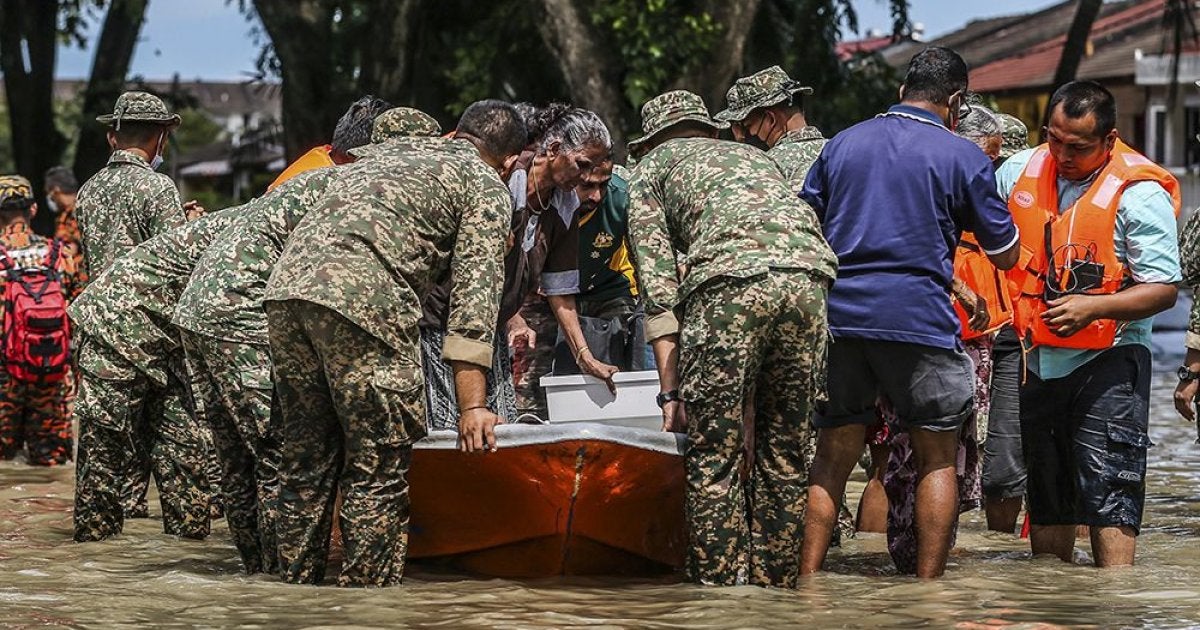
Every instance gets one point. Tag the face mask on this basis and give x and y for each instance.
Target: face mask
(753, 140)
(52, 205)
(158, 158)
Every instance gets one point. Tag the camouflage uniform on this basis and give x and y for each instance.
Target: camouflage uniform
(1189, 257)
(32, 415)
(753, 318)
(400, 122)
(224, 329)
(794, 152)
(342, 308)
(1014, 134)
(134, 384)
(120, 206)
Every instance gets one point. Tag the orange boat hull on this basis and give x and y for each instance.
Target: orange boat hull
(570, 499)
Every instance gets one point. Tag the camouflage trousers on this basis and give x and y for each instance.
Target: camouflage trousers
(136, 480)
(119, 407)
(531, 364)
(765, 335)
(232, 387)
(34, 416)
(352, 406)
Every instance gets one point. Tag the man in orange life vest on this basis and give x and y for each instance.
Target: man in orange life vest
(1099, 258)
(353, 130)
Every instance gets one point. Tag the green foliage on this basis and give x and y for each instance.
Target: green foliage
(6, 151)
(197, 130)
(658, 40)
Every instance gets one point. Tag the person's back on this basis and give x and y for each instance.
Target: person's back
(894, 194)
(368, 248)
(734, 215)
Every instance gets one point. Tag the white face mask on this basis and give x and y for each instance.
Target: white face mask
(52, 205)
(158, 158)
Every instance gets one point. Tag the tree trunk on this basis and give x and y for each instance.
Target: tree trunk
(110, 66)
(586, 63)
(711, 77)
(1077, 40)
(301, 34)
(386, 69)
(37, 143)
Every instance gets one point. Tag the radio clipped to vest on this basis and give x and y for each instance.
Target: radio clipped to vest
(1073, 253)
(36, 327)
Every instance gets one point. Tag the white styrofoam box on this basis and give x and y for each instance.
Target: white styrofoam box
(581, 398)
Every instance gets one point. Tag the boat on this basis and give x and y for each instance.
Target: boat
(558, 499)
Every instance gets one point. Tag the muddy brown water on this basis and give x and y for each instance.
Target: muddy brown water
(147, 578)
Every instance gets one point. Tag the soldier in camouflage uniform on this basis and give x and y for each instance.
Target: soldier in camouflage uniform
(753, 319)
(134, 383)
(122, 205)
(342, 307)
(766, 110)
(224, 330)
(1188, 390)
(32, 415)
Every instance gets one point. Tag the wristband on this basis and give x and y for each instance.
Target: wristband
(579, 355)
(474, 408)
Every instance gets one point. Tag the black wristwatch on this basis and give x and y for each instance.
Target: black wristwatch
(665, 397)
(1183, 373)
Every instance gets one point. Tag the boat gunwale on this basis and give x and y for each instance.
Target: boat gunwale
(518, 435)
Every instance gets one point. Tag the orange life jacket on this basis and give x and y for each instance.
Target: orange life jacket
(317, 157)
(1073, 252)
(971, 265)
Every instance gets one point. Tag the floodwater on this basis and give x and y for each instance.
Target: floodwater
(145, 577)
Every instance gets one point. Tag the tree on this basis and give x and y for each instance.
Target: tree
(28, 41)
(1076, 44)
(110, 66)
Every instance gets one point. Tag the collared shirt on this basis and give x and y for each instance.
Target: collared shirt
(701, 209)
(605, 271)
(895, 194)
(1146, 241)
(124, 204)
(796, 152)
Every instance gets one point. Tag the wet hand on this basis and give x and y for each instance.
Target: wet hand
(675, 416)
(476, 430)
(1185, 397)
(1069, 314)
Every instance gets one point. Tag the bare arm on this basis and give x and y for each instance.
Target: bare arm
(1068, 315)
(666, 355)
(563, 307)
(1006, 259)
(475, 421)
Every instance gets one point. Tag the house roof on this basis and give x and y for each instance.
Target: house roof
(1116, 36)
(220, 99)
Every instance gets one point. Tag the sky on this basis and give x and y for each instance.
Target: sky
(211, 39)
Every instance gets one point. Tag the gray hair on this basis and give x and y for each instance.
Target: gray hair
(62, 178)
(574, 128)
(981, 124)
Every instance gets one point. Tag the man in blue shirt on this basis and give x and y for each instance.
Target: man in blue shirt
(894, 195)
(1085, 412)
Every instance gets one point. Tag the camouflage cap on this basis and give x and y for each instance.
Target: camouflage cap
(403, 121)
(761, 89)
(1015, 134)
(141, 107)
(672, 108)
(15, 188)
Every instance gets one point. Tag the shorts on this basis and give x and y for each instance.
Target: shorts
(1085, 437)
(930, 388)
(1003, 462)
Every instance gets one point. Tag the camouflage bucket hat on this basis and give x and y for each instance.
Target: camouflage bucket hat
(1015, 135)
(403, 121)
(15, 188)
(761, 89)
(672, 108)
(141, 107)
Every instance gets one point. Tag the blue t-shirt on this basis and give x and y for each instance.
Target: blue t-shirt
(1145, 240)
(894, 195)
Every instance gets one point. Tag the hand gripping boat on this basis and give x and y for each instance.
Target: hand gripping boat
(566, 498)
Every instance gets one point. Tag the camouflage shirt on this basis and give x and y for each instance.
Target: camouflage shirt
(386, 228)
(714, 208)
(130, 306)
(1189, 257)
(795, 153)
(224, 297)
(121, 206)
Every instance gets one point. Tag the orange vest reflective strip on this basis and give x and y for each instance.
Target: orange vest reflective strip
(972, 266)
(317, 157)
(1084, 233)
